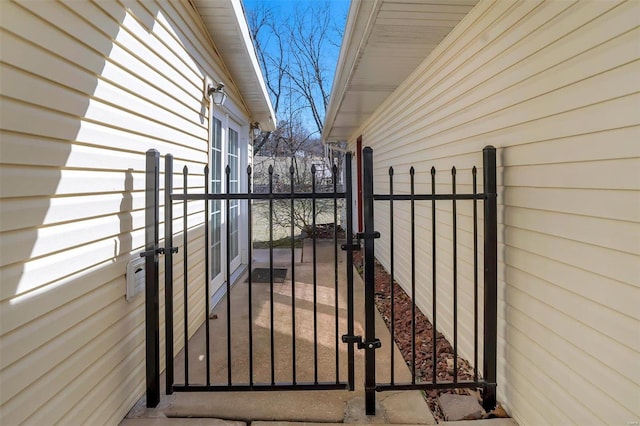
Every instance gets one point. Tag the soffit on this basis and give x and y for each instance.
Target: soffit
(226, 22)
(384, 41)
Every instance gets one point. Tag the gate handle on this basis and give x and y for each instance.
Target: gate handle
(375, 344)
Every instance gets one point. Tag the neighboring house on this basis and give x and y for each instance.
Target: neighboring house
(86, 88)
(555, 87)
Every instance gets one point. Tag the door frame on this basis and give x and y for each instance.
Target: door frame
(227, 123)
(359, 185)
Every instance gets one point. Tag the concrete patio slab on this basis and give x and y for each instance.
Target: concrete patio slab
(335, 406)
(405, 407)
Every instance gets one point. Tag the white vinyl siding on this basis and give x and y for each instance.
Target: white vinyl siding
(86, 89)
(554, 86)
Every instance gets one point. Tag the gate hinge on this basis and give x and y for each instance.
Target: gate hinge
(159, 250)
(367, 236)
(375, 344)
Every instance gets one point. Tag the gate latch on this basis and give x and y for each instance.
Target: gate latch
(367, 236)
(355, 246)
(159, 250)
(375, 344)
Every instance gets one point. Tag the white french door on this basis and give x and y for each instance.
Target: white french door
(225, 151)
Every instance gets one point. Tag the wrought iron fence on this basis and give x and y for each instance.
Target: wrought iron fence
(488, 197)
(370, 343)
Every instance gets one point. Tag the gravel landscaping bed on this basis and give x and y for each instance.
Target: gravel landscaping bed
(424, 338)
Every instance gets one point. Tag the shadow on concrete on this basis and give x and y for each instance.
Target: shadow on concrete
(311, 406)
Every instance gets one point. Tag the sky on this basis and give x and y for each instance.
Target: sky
(341, 7)
(281, 9)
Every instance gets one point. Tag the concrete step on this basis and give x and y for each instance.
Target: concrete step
(483, 422)
(166, 421)
(317, 424)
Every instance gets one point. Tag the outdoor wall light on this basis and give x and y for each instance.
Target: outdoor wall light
(217, 94)
(255, 129)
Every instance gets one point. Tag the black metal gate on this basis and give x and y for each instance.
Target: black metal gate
(488, 197)
(370, 343)
(152, 250)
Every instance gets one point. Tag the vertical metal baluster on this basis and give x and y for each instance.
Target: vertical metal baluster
(206, 274)
(293, 279)
(152, 285)
(391, 279)
(168, 272)
(455, 279)
(412, 173)
(334, 178)
(228, 270)
(349, 202)
(474, 173)
(369, 282)
(185, 276)
(315, 277)
(273, 373)
(490, 278)
(249, 283)
(434, 352)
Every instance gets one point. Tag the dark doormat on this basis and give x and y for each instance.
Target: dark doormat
(261, 275)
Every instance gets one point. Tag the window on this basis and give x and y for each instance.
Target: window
(233, 160)
(216, 205)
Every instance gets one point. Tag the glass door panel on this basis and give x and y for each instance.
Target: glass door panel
(233, 160)
(216, 205)
(224, 153)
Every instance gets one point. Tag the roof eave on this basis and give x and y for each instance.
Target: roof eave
(385, 42)
(359, 20)
(252, 86)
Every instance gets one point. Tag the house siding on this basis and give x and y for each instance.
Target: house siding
(86, 89)
(554, 86)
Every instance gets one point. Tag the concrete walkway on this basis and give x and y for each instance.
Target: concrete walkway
(309, 407)
(165, 421)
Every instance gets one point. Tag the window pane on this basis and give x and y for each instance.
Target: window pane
(233, 159)
(216, 206)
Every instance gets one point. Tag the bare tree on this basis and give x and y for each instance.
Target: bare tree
(309, 40)
(296, 58)
(270, 48)
(292, 157)
(302, 172)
